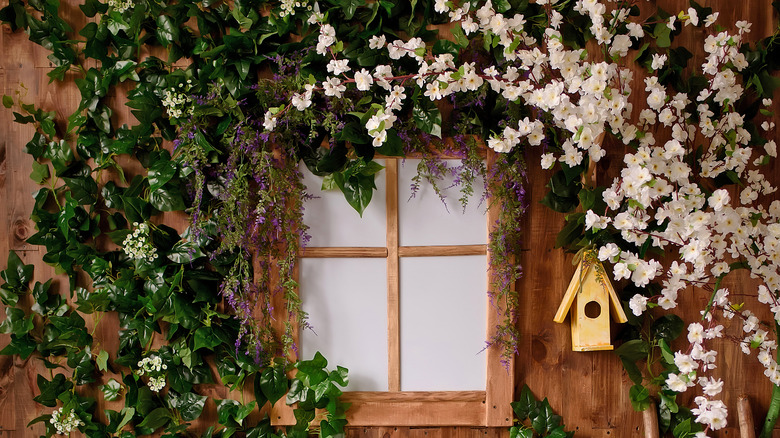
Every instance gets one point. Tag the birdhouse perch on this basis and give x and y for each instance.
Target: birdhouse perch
(588, 296)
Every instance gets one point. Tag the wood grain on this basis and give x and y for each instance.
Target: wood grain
(343, 252)
(500, 372)
(405, 396)
(442, 250)
(745, 417)
(393, 280)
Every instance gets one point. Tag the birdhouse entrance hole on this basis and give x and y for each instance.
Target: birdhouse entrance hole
(593, 309)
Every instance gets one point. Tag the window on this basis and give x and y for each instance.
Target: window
(417, 302)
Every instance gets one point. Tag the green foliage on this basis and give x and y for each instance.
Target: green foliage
(536, 418)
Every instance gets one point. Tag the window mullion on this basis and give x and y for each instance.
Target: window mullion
(393, 310)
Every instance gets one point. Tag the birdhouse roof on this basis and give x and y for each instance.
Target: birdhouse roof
(576, 283)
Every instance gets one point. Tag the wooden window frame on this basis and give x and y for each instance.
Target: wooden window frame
(486, 408)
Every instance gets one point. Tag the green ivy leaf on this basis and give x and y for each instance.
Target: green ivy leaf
(16, 322)
(161, 171)
(102, 360)
(633, 350)
(167, 198)
(23, 346)
(667, 327)
(51, 390)
(427, 119)
(190, 405)
(17, 275)
(226, 410)
(520, 432)
(167, 31)
(8, 101)
(273, 383)
(525, 405)
(156, 419)
(111, 390)
(205, 338)
(40, 172)
(543, 419)
(640, 397)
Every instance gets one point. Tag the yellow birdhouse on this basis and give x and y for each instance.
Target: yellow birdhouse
(589, 296)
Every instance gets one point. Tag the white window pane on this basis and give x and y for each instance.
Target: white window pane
(443, 323)
(333, 222)
(424, 219)
(346, 300)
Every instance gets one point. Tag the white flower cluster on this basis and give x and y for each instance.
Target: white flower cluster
(138, 244)
(288, 7)
(65, 423)
(155, 368)
(709, 412)
(156, 383)
(120, 5)
(177, 102)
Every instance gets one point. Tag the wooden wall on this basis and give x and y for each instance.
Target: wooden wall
(590, 390)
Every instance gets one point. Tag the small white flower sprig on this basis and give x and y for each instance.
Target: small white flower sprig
(665, 194)
(154, 367)
(121, 6)
(138, 244)
(177, 101)
(65, 422)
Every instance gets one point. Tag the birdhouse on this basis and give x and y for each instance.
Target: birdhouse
(589, 297)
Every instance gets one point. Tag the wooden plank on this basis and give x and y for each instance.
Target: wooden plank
(650, 421)
(416, 413)
(417, 396)
(442, 250)
(343, 252)
(745, 415)
(499, 375)
(393, 280)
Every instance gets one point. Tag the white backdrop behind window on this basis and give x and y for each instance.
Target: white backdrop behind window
(424, 220)
(333, 222)
(346, 300)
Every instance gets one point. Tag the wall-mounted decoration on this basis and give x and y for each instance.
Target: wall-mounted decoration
(589, 295)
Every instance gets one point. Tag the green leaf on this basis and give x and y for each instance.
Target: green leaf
(667, 327)
(17, 275)
(427, 119)
(543, 419)
(156, 419)
(8, 101)
(640, 397)
(167, 198)
(102, 360)
(16, 322)
(167, 32)
(525, 405)
(40, 172)
(111, 390)
(358, 189)
(23, 346)
(226, 410)
(160, 173)
(244, 411)
(190, 405)
(520, 432)
(632, 370)
(205, 338)
(51, 390)
(682, 429)
(273, 383)
(633, 350)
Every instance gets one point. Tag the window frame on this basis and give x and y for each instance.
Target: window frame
(486, 408)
